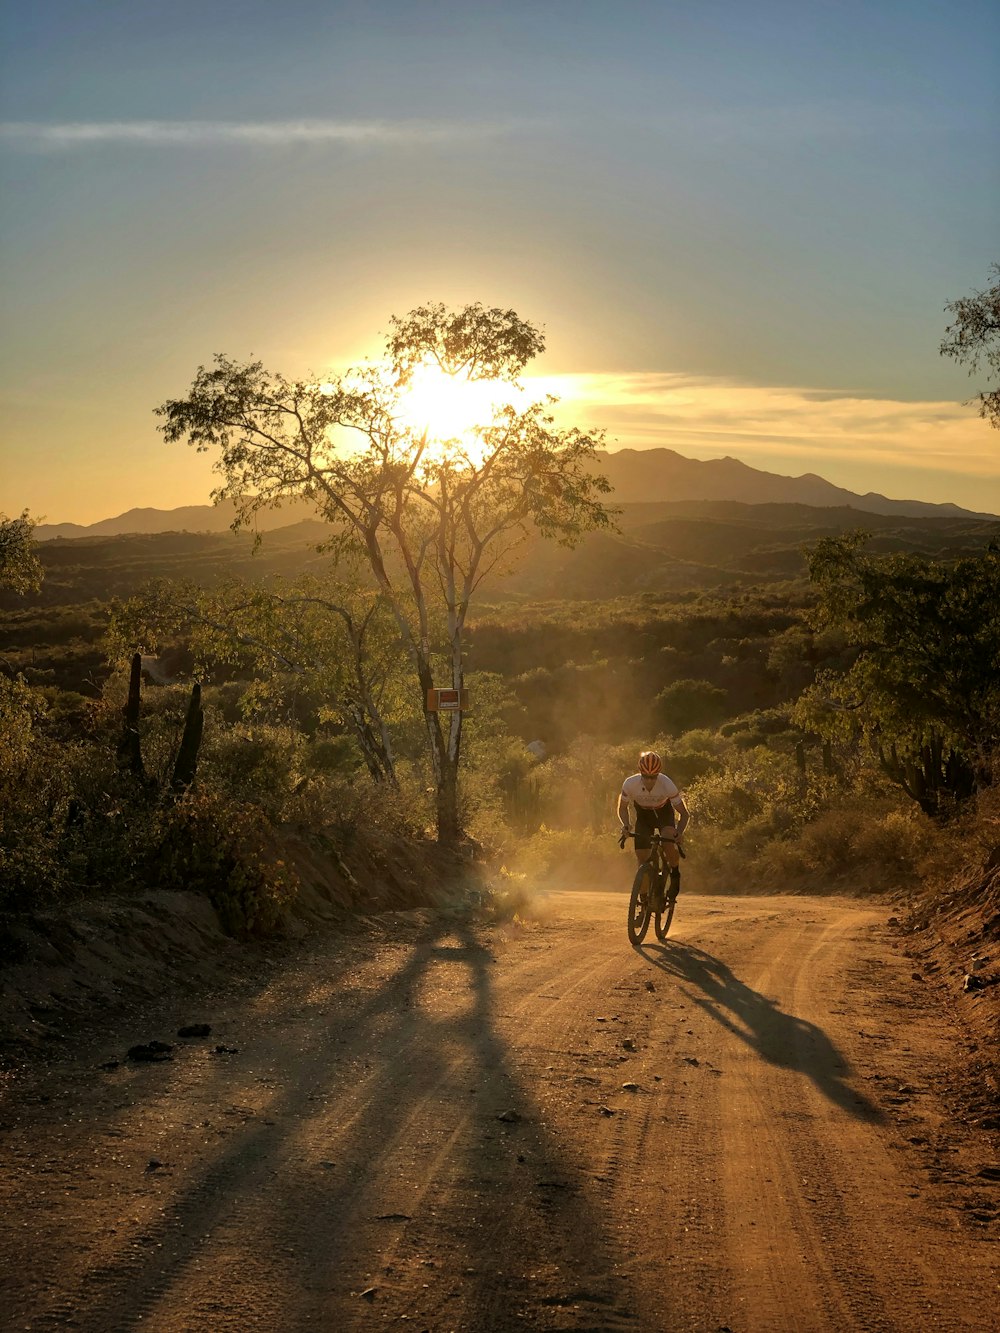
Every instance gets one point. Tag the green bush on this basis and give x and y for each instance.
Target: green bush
(34, 798)
(691, 703)
(208, 844)
(256, 765)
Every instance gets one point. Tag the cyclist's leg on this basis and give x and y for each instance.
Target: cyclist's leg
(645, 822)
(666, 820)
(674, 887)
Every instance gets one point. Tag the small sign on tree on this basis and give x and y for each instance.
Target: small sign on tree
(447, 701)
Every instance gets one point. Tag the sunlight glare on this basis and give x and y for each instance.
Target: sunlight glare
(450, 407)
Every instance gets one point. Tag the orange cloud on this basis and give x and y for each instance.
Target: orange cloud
(706, 416)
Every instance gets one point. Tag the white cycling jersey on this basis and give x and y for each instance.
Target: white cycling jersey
(654, 797)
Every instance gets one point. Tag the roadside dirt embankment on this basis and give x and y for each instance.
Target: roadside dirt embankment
(78, 962)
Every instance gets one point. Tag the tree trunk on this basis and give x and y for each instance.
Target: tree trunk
(374, 745)
(449, 824)
(454, 751)
(444, 763)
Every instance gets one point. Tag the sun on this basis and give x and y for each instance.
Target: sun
(451, 407)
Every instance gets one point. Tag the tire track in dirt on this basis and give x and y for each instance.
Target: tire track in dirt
(354, 1146)
(826, 1214)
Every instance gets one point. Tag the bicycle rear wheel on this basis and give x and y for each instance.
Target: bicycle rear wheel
(640, 903)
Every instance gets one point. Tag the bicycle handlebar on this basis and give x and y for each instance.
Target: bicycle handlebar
(655, 836)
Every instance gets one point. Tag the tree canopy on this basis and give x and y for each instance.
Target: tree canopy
(920, 680)
(430, 514)
(973, 339)
(19, 565)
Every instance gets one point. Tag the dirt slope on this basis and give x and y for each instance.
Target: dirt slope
(754, 1127)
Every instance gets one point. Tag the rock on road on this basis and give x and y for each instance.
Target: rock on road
(433, 1125)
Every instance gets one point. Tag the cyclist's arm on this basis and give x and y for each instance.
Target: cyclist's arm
(623, 810)
(685, 815)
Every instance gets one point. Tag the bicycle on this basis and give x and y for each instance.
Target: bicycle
(648, 899)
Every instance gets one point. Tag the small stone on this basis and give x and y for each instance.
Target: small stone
(692, 1060)
(972, 983)
(628, 1044)
(916, 976)
(606, 1110)
(893, 921)
(630, 1087)
(150, 1051)
(368, 1294)
(509, 1117)
(154, 1164)
(650, 986)
(227, 1050)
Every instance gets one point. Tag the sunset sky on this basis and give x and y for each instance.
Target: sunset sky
(739, 223)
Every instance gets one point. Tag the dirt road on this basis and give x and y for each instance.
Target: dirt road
(440, 1127)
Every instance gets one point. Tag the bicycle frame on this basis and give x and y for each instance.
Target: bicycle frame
(648, 898)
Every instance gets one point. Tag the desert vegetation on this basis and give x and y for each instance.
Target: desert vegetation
(750, 693)
(175, 708)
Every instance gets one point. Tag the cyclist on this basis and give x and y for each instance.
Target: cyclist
(658, 803)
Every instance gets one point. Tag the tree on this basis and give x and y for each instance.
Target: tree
(974, 338)
(920, 679)
(334, 637)
(19, 565)
(432, 514)
(688, 705)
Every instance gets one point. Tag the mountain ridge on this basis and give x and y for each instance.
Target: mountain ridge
(633, 473)
(729, 478)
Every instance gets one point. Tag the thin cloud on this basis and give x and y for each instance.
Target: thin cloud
(219, 133)
(686, 413)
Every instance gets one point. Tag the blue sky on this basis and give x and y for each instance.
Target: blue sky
(738, 223)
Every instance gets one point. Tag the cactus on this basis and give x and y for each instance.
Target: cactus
(130, 745)
(935, 780)
(187, 756)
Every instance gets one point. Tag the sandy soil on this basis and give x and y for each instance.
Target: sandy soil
(759, 1126)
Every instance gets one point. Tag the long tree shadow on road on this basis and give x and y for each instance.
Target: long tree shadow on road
(782, 1039)
(366, 1167)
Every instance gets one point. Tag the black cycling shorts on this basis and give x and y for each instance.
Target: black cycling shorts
(647, 820)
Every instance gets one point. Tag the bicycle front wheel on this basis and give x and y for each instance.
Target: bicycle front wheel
(664, 918)
(641, 903)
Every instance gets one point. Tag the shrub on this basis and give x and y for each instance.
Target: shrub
(260, 764)
(228, 851)
(34, 796)
(691, 703)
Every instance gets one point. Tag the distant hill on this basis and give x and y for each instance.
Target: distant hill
(661, 474)
(637, 475)
(660, 547)
(189, 518)
(674, 546)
